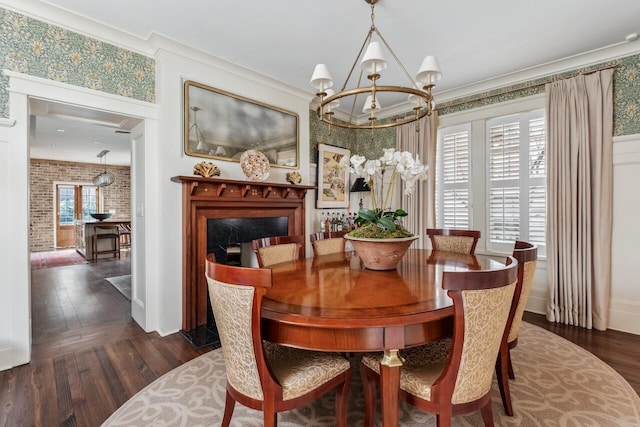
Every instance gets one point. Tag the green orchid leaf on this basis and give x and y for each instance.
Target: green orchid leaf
(368, 215)
(400, 212)
(387, 223)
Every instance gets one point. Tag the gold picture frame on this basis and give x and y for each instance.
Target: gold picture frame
(333, 180)
(221, 125)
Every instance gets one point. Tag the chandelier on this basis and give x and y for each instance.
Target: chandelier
(372, 63)
(103, 178)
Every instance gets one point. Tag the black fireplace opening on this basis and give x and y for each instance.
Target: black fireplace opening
(229, 239)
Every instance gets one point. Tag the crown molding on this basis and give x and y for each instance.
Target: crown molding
(582, 60)
(54, 15)
(162, 45)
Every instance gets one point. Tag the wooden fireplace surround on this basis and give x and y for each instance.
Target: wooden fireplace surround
(207, 198)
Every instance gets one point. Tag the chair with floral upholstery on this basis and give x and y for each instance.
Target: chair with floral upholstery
(453, 240)
(274, 250)
(527, 256)
(449, 382)
(328, 242)
(261, 375)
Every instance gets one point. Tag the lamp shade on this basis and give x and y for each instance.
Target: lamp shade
(373, 60)
(359, 185)
(429, 71)
(367, 105)
(321, 78)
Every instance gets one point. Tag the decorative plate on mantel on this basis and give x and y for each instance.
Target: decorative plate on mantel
(255, 165)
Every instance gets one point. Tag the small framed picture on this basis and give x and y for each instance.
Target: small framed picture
(333, 177)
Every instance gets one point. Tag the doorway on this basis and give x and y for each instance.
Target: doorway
(74, 202)
(15, 303)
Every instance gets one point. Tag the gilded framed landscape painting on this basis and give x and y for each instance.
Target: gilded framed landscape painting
(333, 179)
(221, 125)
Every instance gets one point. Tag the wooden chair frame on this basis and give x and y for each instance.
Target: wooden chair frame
(272, 403)
(443, 387)
(475, 234)
(524, 252)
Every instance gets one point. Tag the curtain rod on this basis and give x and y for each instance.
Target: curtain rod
(541, 82)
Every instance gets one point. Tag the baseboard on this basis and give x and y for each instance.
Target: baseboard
(624, 316)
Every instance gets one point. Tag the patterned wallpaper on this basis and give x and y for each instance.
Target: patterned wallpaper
(626, 108)
(626, 94)
(39, 49)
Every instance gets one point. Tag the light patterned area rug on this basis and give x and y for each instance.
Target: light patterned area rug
(58, 258)
(557, 384)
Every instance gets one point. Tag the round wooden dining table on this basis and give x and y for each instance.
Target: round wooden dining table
(333, 303)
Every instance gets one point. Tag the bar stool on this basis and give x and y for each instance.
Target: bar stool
(125, 235)
(105, 233)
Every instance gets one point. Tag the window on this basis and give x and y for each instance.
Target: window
(452, 177)
(516, 180)
(494, 159)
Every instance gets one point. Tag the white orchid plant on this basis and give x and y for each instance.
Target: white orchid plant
(381, 220)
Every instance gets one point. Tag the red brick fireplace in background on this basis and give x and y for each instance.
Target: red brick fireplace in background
(213, 198)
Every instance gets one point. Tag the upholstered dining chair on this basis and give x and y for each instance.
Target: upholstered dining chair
(328, 242)
(262, 375)
(462, 381)
(527, 256)
(274, 250)
(454, 240)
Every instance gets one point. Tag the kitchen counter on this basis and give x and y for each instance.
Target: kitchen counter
(86, 229)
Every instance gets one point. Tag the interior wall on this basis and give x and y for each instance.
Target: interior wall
(625, 292)
(42, 209)
(173, 69)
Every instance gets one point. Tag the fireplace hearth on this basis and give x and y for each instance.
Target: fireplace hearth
(212, 211)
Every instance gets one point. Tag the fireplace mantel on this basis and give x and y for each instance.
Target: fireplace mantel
(210, 198)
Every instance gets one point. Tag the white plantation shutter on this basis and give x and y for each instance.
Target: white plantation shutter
(516, 176)
(452, 177)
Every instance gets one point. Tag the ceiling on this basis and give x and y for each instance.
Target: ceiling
(284, 39)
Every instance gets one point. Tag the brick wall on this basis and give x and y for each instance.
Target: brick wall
(43, 174)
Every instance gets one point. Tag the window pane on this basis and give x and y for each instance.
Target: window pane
(456, 209)
(89, 202)
(504, 151)
(537, 212)
(66, 205)
(504, 214)
(537, 160)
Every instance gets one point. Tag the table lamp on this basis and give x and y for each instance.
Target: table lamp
(359, 185)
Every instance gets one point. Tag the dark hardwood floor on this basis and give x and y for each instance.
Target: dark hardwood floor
(89, 356)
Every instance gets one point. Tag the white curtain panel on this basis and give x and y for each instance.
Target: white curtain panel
(421, 204)
(579, 192)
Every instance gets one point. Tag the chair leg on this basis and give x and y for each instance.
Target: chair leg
(342, 400)
(512, 375)
(229, 406)
(369, 389)
(270, 414)
(443, 418)
(487, 414)
(503, 379)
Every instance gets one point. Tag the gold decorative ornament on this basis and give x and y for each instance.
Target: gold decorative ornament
(206, 169)
(293, 177)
